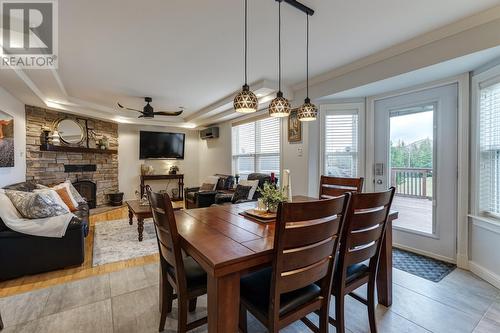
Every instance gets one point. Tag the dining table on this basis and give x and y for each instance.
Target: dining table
(228, 245)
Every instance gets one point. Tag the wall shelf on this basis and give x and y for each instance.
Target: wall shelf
(69, 149)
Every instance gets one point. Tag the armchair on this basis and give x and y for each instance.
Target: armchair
(224, 198)
(194, 198)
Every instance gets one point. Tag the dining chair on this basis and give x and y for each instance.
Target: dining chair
(306, 238)
(361, 241)
(183, 274)
(334, 186)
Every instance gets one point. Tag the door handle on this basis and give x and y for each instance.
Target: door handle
(379, 181)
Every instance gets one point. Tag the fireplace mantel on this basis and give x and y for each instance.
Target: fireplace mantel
(69, 149)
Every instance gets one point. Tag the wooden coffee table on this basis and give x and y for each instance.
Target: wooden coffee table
(143, 212)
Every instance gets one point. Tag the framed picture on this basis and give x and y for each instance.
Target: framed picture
(6, 140)
(294, 127)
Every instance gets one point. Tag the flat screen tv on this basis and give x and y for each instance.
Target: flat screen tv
(161, 145)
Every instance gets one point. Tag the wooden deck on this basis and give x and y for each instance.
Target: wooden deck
(414, 213)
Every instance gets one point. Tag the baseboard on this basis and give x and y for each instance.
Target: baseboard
(485, 274)
(425, 253)
(463, 261)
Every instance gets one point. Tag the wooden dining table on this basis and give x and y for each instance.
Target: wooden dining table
(228, 245)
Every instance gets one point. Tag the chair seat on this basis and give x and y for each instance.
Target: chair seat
(196, 277)
(255, 289)
(356, 271)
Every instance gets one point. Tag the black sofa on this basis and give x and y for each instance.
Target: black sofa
(195, 199)
(22, 254)
(227, 198)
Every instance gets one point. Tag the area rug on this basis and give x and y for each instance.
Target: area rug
(424, 267)
(117, 240)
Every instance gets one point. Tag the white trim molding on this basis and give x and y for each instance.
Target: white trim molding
(485, 274)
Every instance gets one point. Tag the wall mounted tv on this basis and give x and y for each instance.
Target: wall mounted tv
(161, 145)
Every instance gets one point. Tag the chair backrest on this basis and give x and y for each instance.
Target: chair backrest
(306, 240)
(334, 186)
(167, 235)
(366, 222)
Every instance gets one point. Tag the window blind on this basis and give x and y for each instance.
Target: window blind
(256, 147)
(341, 144)
(489, 150)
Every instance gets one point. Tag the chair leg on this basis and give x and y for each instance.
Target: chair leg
(323, 318)
(243, 320)
(192, 304)
(182, 309)
(166, 298)
(339, 313)
(371, 305)
(1, 322)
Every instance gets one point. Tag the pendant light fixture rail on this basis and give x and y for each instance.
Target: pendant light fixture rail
(299, 6)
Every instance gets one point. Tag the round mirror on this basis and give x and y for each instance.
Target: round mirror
(70, 131)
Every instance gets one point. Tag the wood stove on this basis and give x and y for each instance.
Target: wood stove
(87, 189)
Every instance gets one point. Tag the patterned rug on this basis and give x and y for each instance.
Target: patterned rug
(424, 267)
(117, 240)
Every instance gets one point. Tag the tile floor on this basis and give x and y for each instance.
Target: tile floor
(127, 301)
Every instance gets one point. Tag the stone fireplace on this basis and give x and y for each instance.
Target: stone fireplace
(53, 167)
(88, 190)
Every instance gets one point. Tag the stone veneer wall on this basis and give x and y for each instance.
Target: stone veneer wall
(48, 167)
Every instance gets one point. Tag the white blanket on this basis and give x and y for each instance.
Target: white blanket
(47, 227)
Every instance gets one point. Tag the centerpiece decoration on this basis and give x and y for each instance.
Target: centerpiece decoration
(272, 196)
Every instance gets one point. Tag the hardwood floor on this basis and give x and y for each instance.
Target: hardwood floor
(44, 280)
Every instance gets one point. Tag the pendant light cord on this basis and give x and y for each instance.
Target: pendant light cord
(307, 56)
(279, 45)
(246, 14)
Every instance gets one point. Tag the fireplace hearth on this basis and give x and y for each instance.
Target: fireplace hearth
(87, 189)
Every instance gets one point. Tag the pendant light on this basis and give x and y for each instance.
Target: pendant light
(279, 107)
(308, 111)
(246, 101)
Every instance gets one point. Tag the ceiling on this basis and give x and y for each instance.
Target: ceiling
(189, 53)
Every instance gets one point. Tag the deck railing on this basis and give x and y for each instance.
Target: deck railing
(412, 182)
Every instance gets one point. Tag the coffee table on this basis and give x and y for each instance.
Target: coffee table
(143, 212)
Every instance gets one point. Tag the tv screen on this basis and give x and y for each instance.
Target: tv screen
(161, 145)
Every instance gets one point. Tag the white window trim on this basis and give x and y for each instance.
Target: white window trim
(340, 108)
(491, 76)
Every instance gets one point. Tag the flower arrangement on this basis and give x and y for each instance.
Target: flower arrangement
(272, 196)
(173, 170)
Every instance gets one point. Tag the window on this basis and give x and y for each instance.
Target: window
(341, 141)
(256, 147)
(489, 150)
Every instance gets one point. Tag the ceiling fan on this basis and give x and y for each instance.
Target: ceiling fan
(148, 110)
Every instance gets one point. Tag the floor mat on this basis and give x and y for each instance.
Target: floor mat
(424, 267)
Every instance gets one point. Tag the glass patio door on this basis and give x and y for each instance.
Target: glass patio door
(416, 152)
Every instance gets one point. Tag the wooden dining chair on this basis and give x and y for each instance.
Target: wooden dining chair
(334, 186)
(183, 274)
(361, 241)
(306, 238)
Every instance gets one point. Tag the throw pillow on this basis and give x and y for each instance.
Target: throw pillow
(66, 197)
(35, 205)
(206, 187)
(76, 195)
(65, 185)
(253, 184)
(241, 193)
(53, 193)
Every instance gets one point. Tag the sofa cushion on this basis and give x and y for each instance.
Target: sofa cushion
(24, 186)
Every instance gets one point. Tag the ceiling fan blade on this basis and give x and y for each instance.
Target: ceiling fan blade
(123, 107)
(164, 113)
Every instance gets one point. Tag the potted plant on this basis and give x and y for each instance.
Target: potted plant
(173, 170)
(272, 196)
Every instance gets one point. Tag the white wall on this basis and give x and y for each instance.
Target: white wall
(15, 108)
(215, 154)
(129, 165)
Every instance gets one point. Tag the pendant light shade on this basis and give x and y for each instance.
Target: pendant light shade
(308, 111)
(280, 106)
(245, 101)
